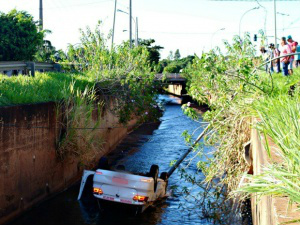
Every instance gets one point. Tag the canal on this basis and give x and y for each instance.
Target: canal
(157, 143)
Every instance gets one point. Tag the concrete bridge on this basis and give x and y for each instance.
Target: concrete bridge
(176, 83)
(171, 77)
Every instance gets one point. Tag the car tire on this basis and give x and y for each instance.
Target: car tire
(103, 164)
(154, 171)
(165, 177)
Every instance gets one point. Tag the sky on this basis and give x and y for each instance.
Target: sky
(192, 26)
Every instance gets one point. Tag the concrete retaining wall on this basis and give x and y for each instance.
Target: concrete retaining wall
(29, 169)
(262, 208)
(269, 210)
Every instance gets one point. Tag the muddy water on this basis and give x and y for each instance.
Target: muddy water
(156, 143)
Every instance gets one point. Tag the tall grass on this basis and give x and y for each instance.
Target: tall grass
(44, 87)
(280, 121)
(80, 116)
(228, 82)
(78, 110)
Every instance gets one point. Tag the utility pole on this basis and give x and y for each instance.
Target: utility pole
(275, 23)
(130, 23)
(113, 32)
(41, 22)
(137, 32)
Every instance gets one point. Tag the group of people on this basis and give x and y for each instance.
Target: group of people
(284, 64)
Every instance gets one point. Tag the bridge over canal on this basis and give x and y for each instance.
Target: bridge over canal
(175, 82)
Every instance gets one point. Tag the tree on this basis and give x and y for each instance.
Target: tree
(19, 36)
(154, 54)
(170, 56)
(174, 66)
(177, 55)
(46, 52)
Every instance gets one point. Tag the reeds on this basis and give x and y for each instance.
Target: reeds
(79, 135)
(280, 121)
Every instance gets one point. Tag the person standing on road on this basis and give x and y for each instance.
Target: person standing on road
(285, 61)
(293, 45)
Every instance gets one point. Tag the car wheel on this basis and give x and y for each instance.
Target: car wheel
(154, 171)
(165, 177)
(103, 164)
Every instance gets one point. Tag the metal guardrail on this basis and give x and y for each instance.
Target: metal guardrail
(275, 58)
(22, 67)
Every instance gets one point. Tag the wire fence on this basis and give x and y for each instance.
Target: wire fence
(29, 126)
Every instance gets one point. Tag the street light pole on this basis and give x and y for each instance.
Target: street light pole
(137, 32)
(130, 23)
(41, 22)
(114, 23)
(243, 17)
(283, 15)
(275, 23)
(212, 36)
(136, 25)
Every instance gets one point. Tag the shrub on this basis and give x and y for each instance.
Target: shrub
(19, 36)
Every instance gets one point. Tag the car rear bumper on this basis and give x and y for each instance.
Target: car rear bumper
(119, 200)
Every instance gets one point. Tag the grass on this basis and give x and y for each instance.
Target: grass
(280, 120)
(277, 105)
(279, 116)
(226, 83)
(44, 87)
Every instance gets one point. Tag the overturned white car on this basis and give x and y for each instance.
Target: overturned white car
(122, 187)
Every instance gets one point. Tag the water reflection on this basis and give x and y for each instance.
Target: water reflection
(156, 143)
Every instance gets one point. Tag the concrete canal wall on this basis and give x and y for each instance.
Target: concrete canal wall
(268, 210)
(30, 170)
(262, 208)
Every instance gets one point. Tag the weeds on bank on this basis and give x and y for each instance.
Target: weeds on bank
(79, 132)
(44, 87)
(280, 121)
(119, 78)
(235, 93)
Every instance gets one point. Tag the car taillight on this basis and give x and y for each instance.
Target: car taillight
(140, 198)
(98, 191)
(99, 173)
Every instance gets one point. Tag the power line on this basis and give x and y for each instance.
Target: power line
(82, 4)
(252, 0)
(10, 125)
(206, 33)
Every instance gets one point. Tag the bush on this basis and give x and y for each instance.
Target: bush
(19, 37)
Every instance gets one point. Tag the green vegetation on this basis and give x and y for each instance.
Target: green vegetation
(44, 87)
(119, 80)
(81, 119)
(46, 51)
(19, 37)
(154, 55)
(174, 64)
(122, 73)
(280, 121)
(236, 93)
